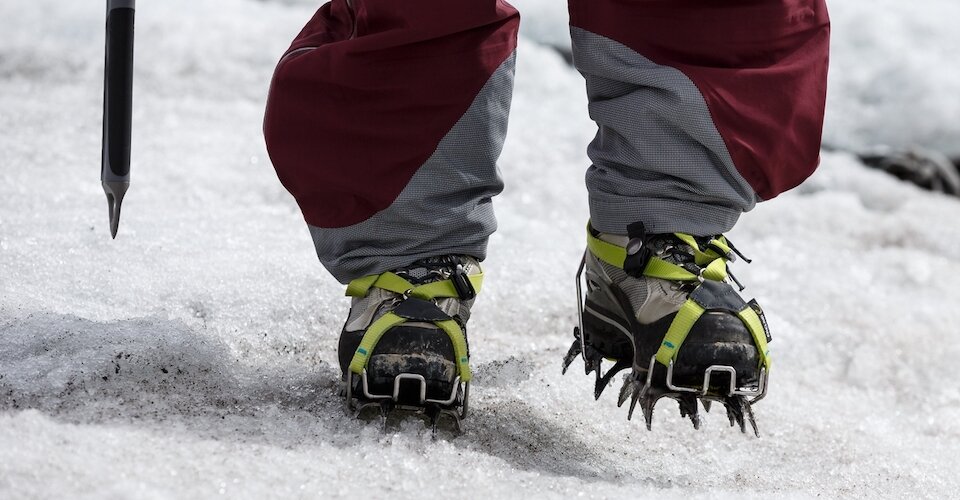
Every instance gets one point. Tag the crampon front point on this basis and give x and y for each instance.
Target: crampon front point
(408, 397)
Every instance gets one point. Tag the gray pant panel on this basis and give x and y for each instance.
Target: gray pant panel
(657, 157)
(446, 208)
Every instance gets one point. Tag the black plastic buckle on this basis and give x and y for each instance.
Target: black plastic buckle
(461, 283)
(638, 254)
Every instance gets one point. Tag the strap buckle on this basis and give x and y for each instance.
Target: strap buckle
(638, 253)
(461, 283)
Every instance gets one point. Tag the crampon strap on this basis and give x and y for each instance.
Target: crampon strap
(712, 260)
(430, 291)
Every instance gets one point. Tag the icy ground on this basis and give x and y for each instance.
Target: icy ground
(194, 356)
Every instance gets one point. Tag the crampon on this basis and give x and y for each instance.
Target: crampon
(403, 350)
(663, 307)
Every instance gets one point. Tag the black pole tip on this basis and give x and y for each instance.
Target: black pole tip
(115, 192)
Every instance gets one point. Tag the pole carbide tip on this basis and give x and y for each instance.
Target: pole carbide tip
(115, 192)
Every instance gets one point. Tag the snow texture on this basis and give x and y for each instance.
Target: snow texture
(195, 355)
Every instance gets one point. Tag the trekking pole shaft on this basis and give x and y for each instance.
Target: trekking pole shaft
(117, 106)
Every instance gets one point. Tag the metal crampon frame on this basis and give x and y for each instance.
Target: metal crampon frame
(455, 408)
(643, 388)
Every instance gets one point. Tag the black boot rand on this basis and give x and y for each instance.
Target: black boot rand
(404, 344)
(664, 307)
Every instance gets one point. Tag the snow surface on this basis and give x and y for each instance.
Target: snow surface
(195, 355)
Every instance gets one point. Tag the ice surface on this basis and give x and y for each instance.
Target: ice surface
(194, 356)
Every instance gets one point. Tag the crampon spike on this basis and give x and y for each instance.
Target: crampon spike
(707, 404)
(626, 389)
(689, 408)
(637, 389)
(385, 408)
(753, 421)
(604, 381)
(434, 416)
(598, 383)
(572, 354)
(737, 408)
(457, 424)
(647, 404)
(591, 362)
(731, 413)
(743, 420)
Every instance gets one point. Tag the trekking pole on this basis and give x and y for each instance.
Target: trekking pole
(117, 106)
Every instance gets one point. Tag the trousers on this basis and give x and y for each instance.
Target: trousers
(385, 118)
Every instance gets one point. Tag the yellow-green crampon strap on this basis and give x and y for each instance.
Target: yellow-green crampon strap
(394, 283)
(688, 315)
(435, 290)
(713, 263)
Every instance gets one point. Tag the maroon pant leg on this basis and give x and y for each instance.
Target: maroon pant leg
(385, 119)
(760, 65)
(369, 88)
